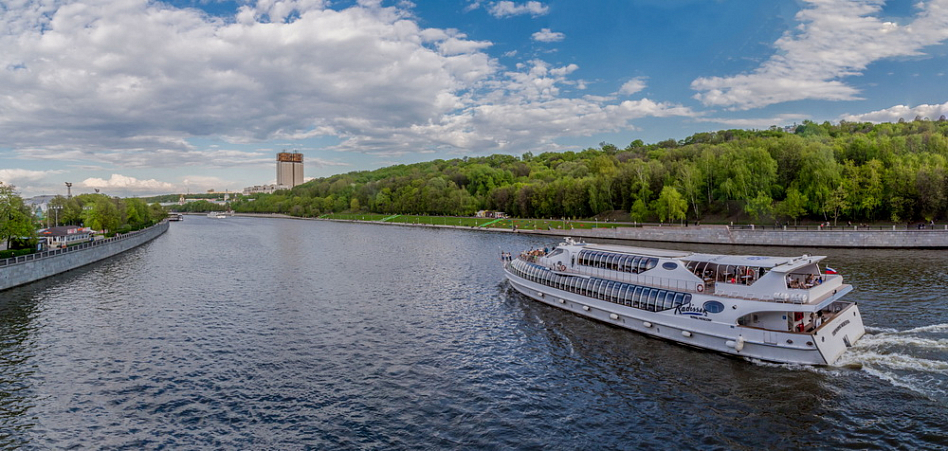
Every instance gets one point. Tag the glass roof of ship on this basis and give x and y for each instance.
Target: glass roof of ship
(719, 259)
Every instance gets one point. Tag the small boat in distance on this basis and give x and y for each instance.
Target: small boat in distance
(216, 214)
(777, 309)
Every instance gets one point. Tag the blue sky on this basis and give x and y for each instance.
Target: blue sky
(137, 97)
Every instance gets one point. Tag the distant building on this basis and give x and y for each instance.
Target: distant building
(289, 169)
(63, 236)
(289, 174)
(264, 189)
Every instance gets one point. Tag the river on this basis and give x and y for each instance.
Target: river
(251, 333)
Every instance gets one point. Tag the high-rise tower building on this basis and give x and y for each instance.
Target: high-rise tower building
(289, 169)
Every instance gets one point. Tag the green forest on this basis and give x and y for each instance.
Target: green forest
(821, 172)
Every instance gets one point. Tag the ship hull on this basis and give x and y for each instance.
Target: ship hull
(693, 328)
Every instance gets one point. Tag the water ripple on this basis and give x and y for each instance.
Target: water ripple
(274, 334)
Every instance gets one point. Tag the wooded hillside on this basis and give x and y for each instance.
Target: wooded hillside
(854, 171)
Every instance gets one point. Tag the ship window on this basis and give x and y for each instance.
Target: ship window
(678, 298)
(623, 297)
(670, 300)
(635, 264)
(650, 303)
(625, 265)
(634, 294)
(713, 307)
(669, 265)
(652, 262)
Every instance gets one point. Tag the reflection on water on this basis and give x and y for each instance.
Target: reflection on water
(264, 333)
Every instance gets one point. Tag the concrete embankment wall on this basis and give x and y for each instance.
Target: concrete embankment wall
(722, 234)
(30, 268)
(868, 239)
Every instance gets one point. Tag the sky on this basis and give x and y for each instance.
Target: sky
(137, 97)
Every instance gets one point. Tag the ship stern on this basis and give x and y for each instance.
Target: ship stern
(840, 333)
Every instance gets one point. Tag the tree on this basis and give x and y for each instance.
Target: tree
(670, 205)
(639, 211)
(759, 206)
(836, 203)
(690, 180)
(103, 215)
(794, 205)
(16, 221)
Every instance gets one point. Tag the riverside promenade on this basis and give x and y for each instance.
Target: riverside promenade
(839, 237)
(744, 235)
(24, 269)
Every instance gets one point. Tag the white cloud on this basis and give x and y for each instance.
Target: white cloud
(126, 183)
(19, 176)
(835, 39)
(203, 183)
(127, 84)
(756, 123)
(508, 9)
(897, 112)
(145, 157)
(322, 162)
(632, 86)
(545, 35)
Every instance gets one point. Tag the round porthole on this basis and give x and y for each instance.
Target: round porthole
(713, 307)
(669, 265)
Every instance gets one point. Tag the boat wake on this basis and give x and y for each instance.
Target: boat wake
(915, 359)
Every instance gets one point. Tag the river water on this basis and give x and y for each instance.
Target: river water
(248, 333)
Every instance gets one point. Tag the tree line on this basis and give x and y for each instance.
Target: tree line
(851, 171)
(19, 223)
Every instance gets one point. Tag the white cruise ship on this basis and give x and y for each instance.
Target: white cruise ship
(777, 309)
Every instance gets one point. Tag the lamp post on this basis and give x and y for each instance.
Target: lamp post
(56, 209)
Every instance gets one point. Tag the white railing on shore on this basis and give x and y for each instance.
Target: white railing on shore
(74, 248)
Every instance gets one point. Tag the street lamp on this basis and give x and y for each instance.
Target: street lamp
(56, 209)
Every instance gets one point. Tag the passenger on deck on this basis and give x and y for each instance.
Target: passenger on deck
(792, 283)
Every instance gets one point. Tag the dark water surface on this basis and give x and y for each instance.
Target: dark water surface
(244, 333)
